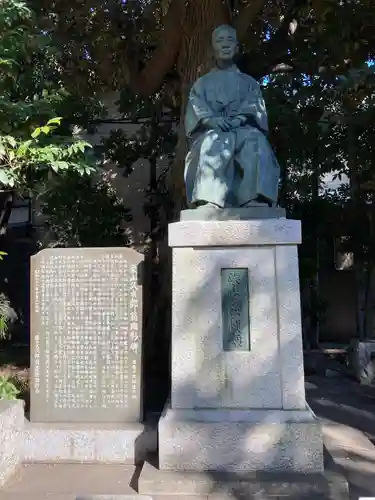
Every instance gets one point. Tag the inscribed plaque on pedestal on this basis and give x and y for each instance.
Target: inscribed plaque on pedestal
(235, 309)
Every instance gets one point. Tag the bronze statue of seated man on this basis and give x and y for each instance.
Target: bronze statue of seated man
(230, 162)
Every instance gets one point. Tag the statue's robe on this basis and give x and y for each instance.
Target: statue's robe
(229, 168)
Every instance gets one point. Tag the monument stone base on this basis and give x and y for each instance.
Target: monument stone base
(240, 440)
(87, 443)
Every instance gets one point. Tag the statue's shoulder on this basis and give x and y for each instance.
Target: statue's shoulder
(204, 79)
(249, 80)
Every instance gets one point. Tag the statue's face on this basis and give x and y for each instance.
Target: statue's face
(224, 42)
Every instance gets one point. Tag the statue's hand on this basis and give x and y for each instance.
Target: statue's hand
(238, 121)
(218, 123)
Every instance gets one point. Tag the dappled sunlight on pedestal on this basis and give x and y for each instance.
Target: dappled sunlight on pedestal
(239, 409)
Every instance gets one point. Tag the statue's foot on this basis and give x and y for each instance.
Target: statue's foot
(207, 205)
(254, 203)
(260, 201)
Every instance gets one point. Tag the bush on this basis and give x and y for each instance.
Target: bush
(7, 313)
(7, 317)
(7, 389)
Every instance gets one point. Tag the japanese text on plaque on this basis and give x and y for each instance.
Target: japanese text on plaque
(235, 309)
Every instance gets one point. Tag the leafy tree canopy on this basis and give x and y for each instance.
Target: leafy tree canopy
(33, 141)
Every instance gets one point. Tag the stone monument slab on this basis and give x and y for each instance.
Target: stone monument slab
(86, 329)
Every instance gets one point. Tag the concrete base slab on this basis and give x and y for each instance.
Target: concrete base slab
(237, 486)
(240, 440)
(91, 443)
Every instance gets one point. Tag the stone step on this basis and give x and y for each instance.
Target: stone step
(115, 482)
(54, 496)
(70, 481)
(329, 485)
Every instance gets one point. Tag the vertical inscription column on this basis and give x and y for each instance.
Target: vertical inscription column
(235, 309)
(36, 360)
(86, 309)
(134, 333)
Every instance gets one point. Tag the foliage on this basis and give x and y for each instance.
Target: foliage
(155, 140)
(4, 317)
(27, 161)
(29, 98)
(85, 211)
(7, 389)
(7, 314)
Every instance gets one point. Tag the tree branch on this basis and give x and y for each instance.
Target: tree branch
(151, 77)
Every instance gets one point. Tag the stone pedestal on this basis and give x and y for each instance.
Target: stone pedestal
(237, 408)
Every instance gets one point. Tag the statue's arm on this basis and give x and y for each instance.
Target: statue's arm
(198, 101)
(254, 109)
(198, 112)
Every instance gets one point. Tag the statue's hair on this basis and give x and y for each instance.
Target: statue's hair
(227, 27)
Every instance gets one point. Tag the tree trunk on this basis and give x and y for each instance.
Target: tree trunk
(355, 193)
(6, 205)
(194, 60)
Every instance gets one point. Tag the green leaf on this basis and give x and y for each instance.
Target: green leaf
(8, 62)
(11, 141)
(6, 177)
(71, 150)
(7, 389)
(2, 255)
(55, 121)
(89, 169)
(60, 165)
(24, 146)
(45, 129)
(36, 133)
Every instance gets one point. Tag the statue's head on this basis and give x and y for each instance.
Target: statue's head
(224, 42)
